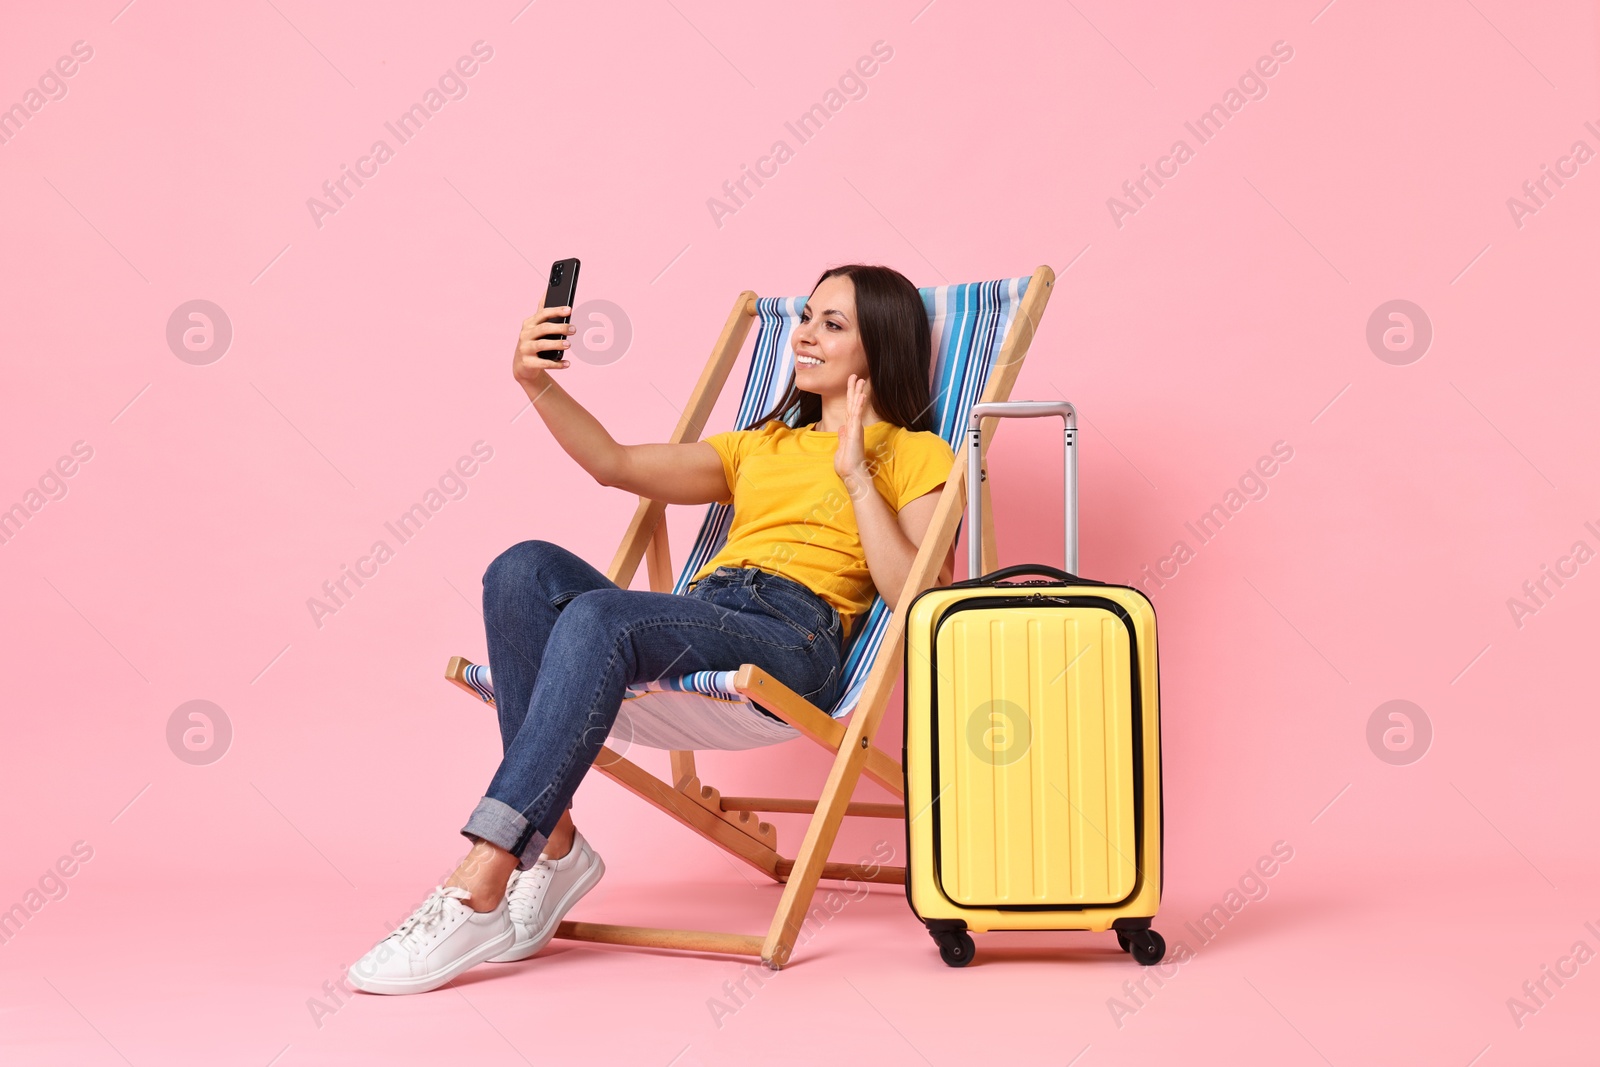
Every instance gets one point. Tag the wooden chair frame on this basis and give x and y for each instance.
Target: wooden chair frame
(730, 822)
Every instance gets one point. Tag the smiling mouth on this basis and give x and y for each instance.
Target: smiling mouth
(801, 361)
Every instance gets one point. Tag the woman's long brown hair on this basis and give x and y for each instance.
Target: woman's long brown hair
(899, 347)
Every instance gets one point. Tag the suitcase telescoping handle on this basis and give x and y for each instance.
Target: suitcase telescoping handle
(1022, 409)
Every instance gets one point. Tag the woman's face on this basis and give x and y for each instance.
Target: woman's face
(828, 332)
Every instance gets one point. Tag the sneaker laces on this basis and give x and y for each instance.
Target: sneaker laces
(529, 886)
(431, 911)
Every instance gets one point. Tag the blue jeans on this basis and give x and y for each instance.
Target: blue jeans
(565, 642)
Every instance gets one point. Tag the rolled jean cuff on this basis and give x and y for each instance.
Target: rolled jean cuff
(504, 826)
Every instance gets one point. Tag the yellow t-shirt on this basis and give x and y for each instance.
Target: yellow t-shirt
(792, 515)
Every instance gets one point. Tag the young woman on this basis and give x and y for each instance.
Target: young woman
(826, 515)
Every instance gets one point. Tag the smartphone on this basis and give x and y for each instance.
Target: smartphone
(562, 288)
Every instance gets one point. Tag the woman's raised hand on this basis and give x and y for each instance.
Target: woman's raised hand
(850, 455)
(542, 343)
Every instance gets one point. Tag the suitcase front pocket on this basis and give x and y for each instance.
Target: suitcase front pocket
(1037, 767)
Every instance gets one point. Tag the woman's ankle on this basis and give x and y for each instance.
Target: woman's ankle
(561, 839)
(557, 848)
(483, 872)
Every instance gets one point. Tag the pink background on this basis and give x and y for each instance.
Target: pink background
(1229, 313)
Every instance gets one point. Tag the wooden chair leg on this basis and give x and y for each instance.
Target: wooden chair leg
(810, 863)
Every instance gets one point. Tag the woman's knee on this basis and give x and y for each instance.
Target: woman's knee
(600, 621)
(518, 565)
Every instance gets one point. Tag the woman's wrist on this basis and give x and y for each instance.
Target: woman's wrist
(536, 384)
(858, 481)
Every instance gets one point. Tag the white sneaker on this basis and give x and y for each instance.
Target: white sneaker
(442, 938)
(539, 896)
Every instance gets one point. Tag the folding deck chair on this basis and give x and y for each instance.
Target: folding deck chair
(981, 333)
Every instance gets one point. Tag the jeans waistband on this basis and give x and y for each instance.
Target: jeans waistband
(757, 576)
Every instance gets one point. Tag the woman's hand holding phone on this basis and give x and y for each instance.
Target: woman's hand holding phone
(542, 344)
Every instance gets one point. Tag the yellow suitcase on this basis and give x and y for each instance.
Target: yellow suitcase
(1032, 753)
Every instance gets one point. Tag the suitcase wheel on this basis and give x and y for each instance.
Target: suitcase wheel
(955, 947)
(1145, 946)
